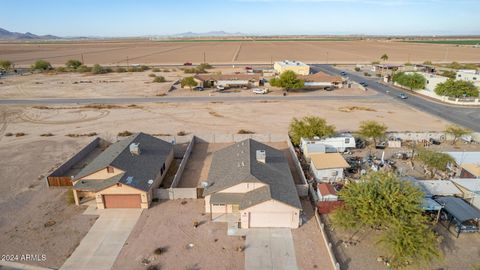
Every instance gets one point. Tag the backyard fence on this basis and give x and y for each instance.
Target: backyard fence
(175, 193)
(183, 163)
(326, 241)
(58, 177)
(302, 189)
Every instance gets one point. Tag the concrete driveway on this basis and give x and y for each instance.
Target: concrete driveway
(100, 247)
(270, 248)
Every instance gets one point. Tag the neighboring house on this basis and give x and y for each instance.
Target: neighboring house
(321, 80)
(299, 68)
(469, 163)
(328, 167)
(326, 192)
(470, 189)
(228, 80)
(125, 174)
(469, 75)
(386, 67)
(341, 143)
(432, 80)
(433, 188)
(313, 148)
(250, 185)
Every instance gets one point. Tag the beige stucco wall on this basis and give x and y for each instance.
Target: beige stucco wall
(242, 188)
(271, 207)
(123, 189)
(102, 174)
(300, 70)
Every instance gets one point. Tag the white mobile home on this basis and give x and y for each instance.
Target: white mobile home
(332, 144)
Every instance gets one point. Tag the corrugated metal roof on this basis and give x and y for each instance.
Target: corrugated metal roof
(461, 210)
(471, 184)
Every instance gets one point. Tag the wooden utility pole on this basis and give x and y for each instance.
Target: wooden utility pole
(127, 61)
(81, 55)
(204, 58)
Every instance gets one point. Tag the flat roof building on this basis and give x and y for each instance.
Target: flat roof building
(298, 67)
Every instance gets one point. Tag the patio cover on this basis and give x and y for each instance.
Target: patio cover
(429, 204)
(458, 208)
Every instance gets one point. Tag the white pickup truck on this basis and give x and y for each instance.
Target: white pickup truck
(260, 91)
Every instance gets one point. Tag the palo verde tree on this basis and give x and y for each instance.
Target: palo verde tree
(41, 65)
(457, 89)
(457, 132)
(309, 127)
(381, 201)
(188, 82)
(384, 57)
(73, 64)
(434, 161)
(5, 65)
(411, 81)
(372, 130)
(287, 80)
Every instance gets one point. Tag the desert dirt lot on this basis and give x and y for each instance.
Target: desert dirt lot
(169, 225)
(459, 253)
(152, 52)
(131, 84)
(36, 219)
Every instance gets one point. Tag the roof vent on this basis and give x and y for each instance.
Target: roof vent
(205, 184)
(135, 149)
(129, 179)
(261, 156)
(150, 181)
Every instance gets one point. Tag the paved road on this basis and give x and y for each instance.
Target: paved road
(219, 98)
(465, 116)
(270, 248)
(100, 247)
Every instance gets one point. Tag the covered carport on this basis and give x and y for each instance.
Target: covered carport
(465, 217)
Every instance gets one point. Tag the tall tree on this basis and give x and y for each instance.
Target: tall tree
(457, 89)
(41, 65)
(381, 201)
(372, 130)
(72, 63)
(457, 132)
(412, 81)
(189, 82)
(309, 127)
(384, 57)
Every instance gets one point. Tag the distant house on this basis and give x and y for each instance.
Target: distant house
(386, 67)
(432, 80)
(469, 75)
(321, 80)
(250, 185)
(470, 189)
(469, 163)
(125, 174)
(326, 192)
(228, 80)
(298, 67)
(328, 167)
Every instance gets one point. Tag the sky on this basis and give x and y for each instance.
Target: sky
(122, 18)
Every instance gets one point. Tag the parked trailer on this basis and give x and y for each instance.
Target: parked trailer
(332, 144)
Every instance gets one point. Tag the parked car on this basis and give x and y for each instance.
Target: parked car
(198, 88)
(220, 87)
(187, 64)
(364, 84)
(248, 68)
(260, 91)
(343, 73)
(434, 141)
(403, 96)
(328, 88)
(381, 145)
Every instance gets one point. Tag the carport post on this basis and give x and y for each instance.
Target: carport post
(438, 216)
(211, 214)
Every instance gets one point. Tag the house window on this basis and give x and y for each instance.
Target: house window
(109, 169)
(347, 140)
(474, 78)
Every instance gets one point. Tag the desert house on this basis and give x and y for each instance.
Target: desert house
(469, 163)
(432, 80)
(326, 192)
(469, 75)
(125, 174)
(228, 80)
(299, 68)
(250, 185)
(328, 167)
(470, 189)
(321, 80)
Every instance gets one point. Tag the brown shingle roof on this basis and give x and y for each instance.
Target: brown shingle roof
(328, 161)
(326, 189)
(321, 77)
(225, 77)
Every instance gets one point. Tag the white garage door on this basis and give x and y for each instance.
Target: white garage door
(259, 219)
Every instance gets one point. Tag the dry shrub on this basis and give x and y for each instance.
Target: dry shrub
(102, 106)
(47, 135)
(356, 108)
(245, 131)
(73, 135)
(125, 133)
(215, 114)
(182, 133)
(20, 134)
(8, 134)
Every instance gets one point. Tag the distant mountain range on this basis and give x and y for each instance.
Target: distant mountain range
(208, 34)
(5, 34)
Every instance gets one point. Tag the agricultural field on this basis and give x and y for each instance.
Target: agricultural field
(123, 52)
(449, 41)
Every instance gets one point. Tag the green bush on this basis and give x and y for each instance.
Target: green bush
(159, 79)
(152, 75)
(41, 65)
(5, 64)
(97, 69)
(120, 70)
(72, 63)
(61, 69)
(411, 81)
(457, 89)
(155, 70)
(83, 69)
(357, 69)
